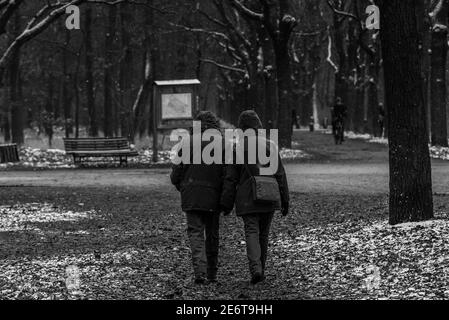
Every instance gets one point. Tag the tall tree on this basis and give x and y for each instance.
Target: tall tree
(64, 99)
(17, 116)
(141, 108)
(89, 61)
(359, 63)
(125, 73)
(410, 168)
(276, 18)
(438, 88)
(108, 71)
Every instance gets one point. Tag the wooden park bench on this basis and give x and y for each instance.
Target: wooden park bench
(85, 148)
(9, 153)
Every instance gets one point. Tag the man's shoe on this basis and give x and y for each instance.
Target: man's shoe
(256, 278)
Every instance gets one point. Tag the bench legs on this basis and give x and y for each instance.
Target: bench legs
(123, 160)
(76, 160)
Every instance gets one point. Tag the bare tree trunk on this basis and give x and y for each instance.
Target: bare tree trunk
(142, 104)
(65, 99)
(89, 61)
(284, 83)
(109, 46)
(373, 67)
(341, 87)
(7, 127)
(438, 77)
(410, 168)
(77, 96)
(125, 72)
(17, 116)
(49, 111)
(154, 60)
(425, 67)
(139, 107)
(77, 110)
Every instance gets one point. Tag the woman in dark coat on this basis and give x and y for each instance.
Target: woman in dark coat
(257, 217)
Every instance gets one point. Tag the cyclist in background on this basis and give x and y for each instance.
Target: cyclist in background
(339, 114)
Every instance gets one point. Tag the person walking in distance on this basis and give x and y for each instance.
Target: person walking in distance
(339, 114)
(381, 120)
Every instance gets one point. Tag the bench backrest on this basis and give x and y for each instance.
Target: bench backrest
(96, 144)
(9, 153)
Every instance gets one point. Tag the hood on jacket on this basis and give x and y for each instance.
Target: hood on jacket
(208, 120)
(249, 120)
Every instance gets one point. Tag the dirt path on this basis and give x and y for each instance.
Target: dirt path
(125, 231)
(355, 167)
(323, 149)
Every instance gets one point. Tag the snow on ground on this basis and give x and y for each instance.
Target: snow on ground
(57, 159)
(372, 260)
(293, 154)
(29, 216)
(436, 152)
(439, 153)
(359, 136)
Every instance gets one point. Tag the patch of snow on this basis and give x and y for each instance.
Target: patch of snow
(362, 136)
(439, 153)
(422, 224)
(293, 154)
(379, 140)
(25, 216)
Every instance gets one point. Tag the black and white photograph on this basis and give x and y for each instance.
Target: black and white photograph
(239, 152)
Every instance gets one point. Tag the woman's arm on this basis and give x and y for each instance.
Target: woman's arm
(177, 175)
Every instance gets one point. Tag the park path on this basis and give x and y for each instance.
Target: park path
(355, 167)
(130, 241)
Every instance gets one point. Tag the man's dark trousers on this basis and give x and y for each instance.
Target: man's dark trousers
(203, 232)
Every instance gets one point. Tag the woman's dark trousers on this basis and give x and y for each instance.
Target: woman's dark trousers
(257, 230)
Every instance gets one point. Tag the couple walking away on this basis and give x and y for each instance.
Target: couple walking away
(209, 190)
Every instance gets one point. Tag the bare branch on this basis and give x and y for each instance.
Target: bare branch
(34, 28)
(222, 66)
(212, 19)
(200, 30)
(232, 26)
(343, 13)
(329, 54)
(9, 8)
(361, 25)
(436, 6)
(246, 11)
(118, 2)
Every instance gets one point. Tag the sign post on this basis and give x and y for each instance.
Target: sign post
(175, 104)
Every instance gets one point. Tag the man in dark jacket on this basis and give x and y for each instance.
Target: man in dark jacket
(200, 186)
(257, 217)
